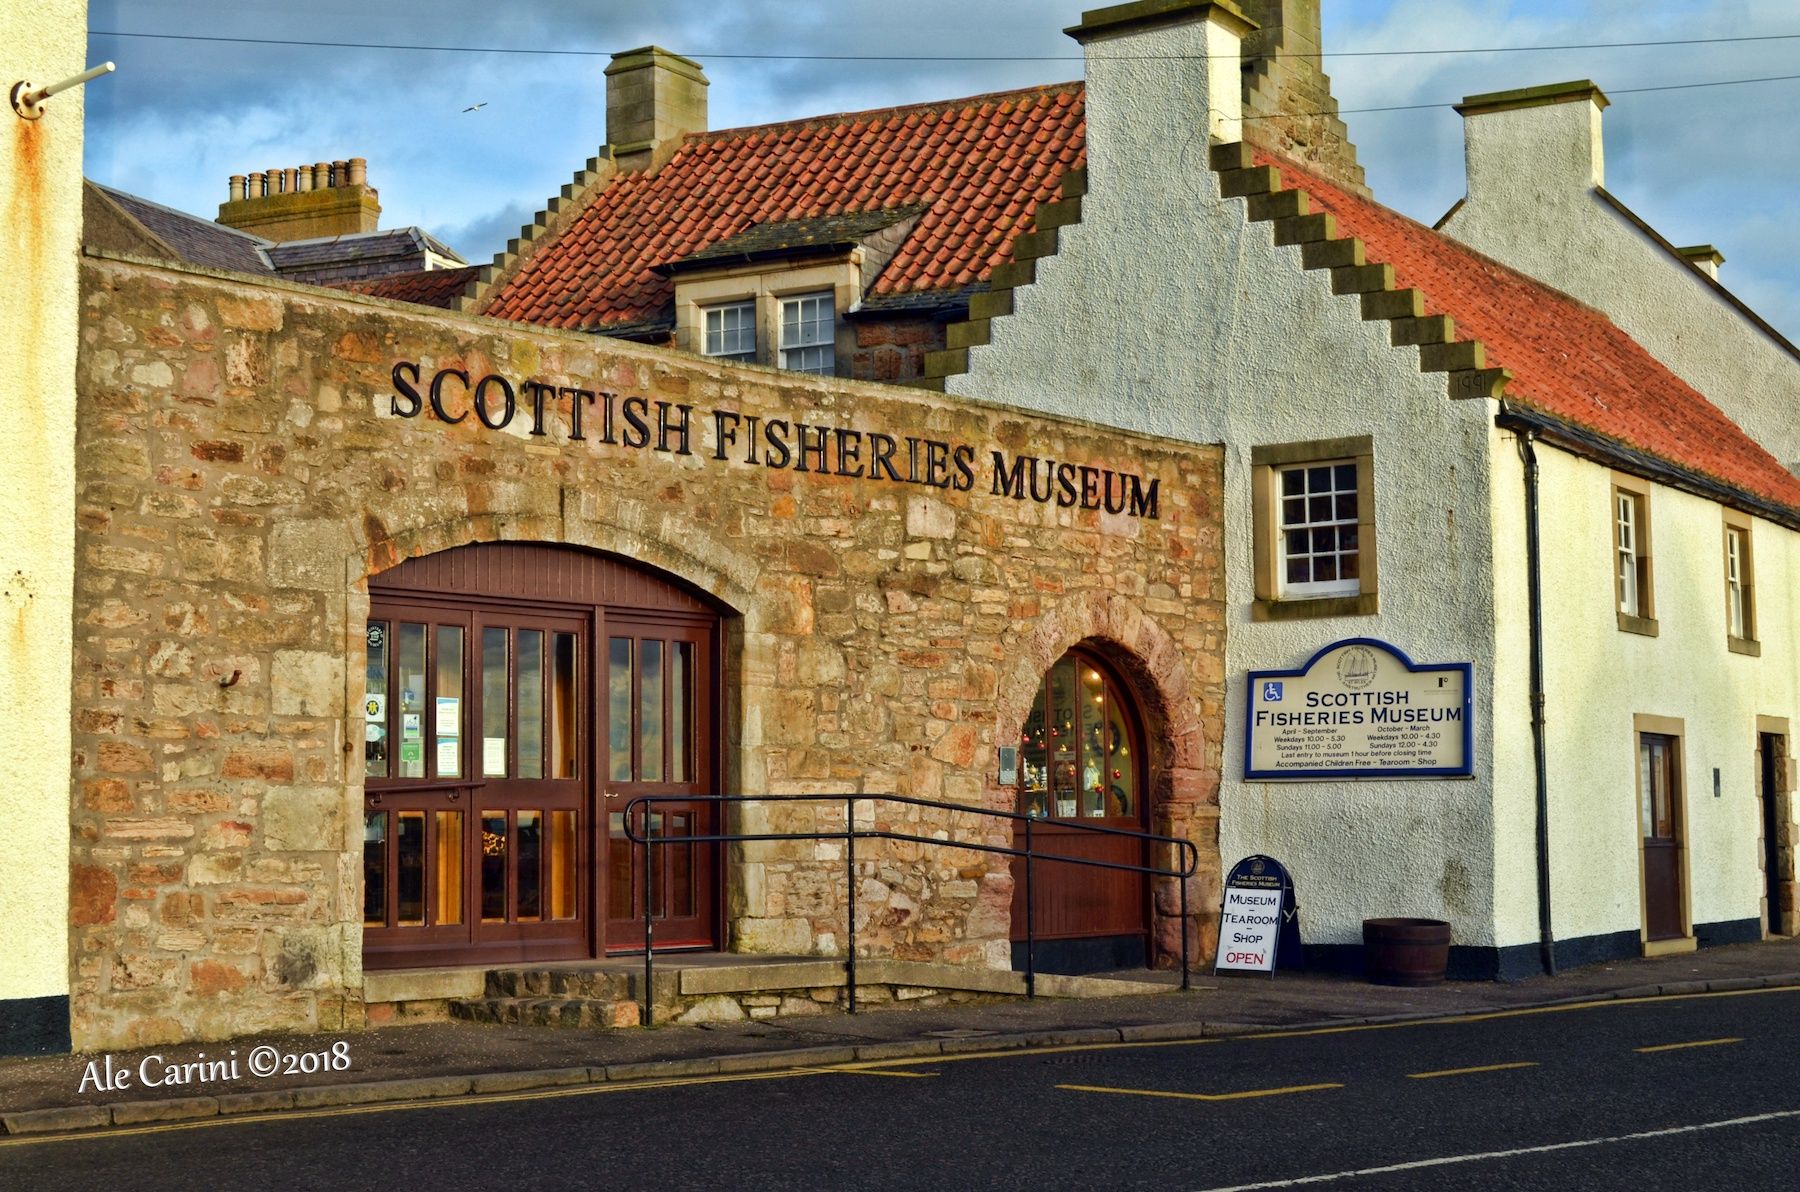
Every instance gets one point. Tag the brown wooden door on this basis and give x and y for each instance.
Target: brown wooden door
(1659, 806)
(658, 711)
(1081, 755)
(533, 801)
(476, 784)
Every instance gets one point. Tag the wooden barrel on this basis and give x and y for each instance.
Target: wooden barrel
(1406, 951)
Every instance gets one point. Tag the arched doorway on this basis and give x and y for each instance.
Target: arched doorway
(1082, 762)
(516, 697)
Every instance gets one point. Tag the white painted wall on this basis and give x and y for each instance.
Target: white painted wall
(1532, 204)
(1598, 677)
(40, 239)
(1165, 311)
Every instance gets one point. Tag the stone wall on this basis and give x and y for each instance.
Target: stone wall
(245, 468)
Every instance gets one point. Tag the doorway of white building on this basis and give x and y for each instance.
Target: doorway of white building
(1777, 834)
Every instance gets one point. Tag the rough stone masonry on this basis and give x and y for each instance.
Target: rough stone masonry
(244, 466)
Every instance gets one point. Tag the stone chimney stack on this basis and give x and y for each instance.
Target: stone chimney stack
(653, 99)
(303, 202)
(1703, 257)
(1288, 105)
(1538, 141)
(1162, 81)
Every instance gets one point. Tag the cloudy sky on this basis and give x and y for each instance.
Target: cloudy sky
(1718, 165)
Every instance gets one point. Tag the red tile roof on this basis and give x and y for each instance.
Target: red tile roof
(978, 166)
(427, 287)
(1568, 360)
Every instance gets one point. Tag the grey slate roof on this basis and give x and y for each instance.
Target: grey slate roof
(787, 237)
(199, 241)
(384, 245)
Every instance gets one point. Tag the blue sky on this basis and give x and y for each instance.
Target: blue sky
(1718, 165)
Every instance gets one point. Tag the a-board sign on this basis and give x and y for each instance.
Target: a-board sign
(1360, 708)
(1259, 925)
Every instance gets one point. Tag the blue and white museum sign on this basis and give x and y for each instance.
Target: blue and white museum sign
(1360, 708)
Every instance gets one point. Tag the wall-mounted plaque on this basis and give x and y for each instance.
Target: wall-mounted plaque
(1360, 708)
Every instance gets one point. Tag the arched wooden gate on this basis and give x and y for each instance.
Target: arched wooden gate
(1082, 762)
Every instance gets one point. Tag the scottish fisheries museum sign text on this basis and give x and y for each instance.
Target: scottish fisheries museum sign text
(1360, 708)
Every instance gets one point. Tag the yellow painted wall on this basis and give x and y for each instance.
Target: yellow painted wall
(40, 237)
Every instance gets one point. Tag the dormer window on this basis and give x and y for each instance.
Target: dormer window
(780, 293)
(808, 329)
(731, 331)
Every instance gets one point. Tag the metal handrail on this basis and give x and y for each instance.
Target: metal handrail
(1190, 853)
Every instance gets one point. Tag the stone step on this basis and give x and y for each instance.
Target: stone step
(565, 1012)
(572, 982)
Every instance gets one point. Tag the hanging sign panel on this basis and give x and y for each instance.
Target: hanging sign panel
(1360, 708)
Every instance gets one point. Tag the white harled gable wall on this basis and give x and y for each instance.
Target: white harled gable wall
(1164, 310)
(1532, 204)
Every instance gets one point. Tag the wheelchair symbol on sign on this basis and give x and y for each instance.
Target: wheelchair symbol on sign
(1271, 692)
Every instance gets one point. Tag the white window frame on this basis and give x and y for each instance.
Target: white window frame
(1627, 546)
(1741, 627)
(809, 342)
(1633, 555)
(1335, 523)
(720, 339)
(1737, 590)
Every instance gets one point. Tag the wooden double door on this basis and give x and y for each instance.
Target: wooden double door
(516, 699)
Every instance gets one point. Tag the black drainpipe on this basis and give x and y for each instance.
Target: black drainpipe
(1533, 564)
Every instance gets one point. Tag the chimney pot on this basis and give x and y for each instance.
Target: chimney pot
(321, 199)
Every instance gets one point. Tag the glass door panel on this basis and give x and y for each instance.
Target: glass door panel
(375, 694)
(564, 679)
(446, 710)
(494, 703)
(658, 708)
(411, 690)
(531, 703)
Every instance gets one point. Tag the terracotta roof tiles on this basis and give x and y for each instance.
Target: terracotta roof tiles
(1567, 359)
(600, 273)
(979, 167)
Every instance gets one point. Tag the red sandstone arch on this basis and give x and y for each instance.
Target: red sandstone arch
(1183, 767)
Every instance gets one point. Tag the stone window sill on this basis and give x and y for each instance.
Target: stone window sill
(1644, 625)
(1744, 645)
(1366, 604)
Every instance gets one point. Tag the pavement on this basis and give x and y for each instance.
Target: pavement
(83, 1092)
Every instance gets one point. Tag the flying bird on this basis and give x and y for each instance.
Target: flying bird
(476, 106)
